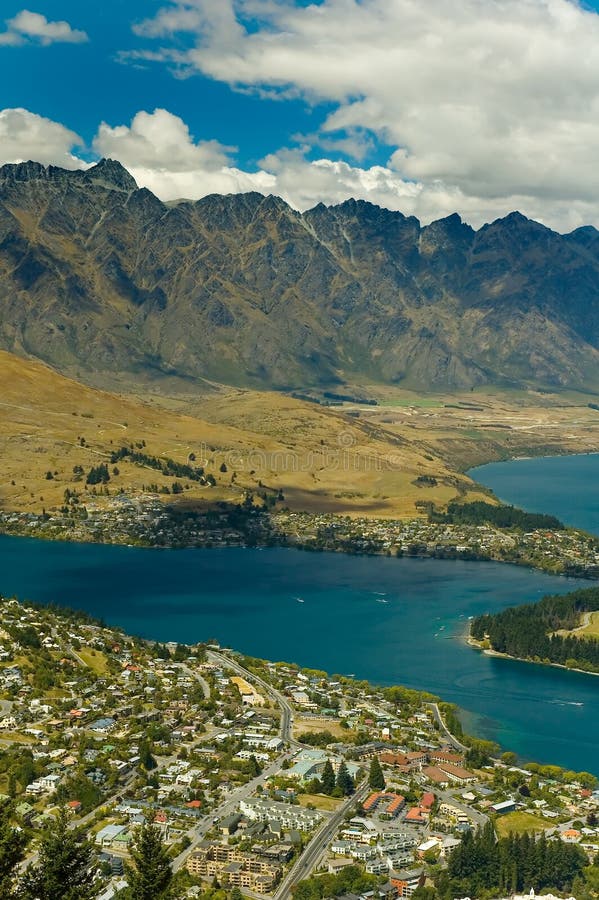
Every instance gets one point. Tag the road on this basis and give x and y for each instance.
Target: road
(201, 681)
(313, 852)
(286, 710)
(449, 737)
(69, 649)
(231, 804)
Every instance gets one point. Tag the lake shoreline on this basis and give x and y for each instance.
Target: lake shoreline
(547, 483)
(488, 651)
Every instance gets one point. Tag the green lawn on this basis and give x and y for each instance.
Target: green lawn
(320, 801)
(518, 823)
(94, 659)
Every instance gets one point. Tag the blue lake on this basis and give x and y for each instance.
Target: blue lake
(564, 486)
(248, 599)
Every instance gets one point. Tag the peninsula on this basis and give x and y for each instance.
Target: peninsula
(558, 630)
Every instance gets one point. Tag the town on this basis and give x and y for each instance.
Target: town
(261, 778)
(145, 520)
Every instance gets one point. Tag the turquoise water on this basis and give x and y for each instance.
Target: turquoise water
(564, 486)
(248, 599)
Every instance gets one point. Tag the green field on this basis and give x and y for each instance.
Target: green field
(320, 801)
(590, 630)
(518, 823)
(421, 402)
(94, 659)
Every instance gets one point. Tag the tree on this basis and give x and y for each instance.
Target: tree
(376, 779)
(79, 787)
(151, 877)
(181, 653)
(64, 868)
(344, 782)
(424, 893)
(98, 475)
(509, 758)
(253, 767)
(12, 850)
(145, 756)
(328, 778)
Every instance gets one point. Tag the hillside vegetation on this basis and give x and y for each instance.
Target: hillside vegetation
(481, 513)
(531, 631)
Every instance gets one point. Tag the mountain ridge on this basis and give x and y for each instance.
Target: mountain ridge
(98, 276)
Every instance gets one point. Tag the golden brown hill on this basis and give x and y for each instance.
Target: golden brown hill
(318, 458)
(384, 460)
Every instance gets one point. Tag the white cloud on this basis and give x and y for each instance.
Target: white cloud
(158, 140)
(33, 26)
(11, 39)
(496, 100)
(168, 21)
(163, 156)
(25, 135)
(215, 18)
(160, 153)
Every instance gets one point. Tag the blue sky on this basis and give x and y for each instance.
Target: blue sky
(83, 84)
(478, 106)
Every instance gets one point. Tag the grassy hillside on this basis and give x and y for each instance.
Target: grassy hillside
(319, 458)
(382, 461)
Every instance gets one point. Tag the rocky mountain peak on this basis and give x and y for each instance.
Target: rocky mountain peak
(450, 228)
(29, 170)
(113, 174)
(99, 276)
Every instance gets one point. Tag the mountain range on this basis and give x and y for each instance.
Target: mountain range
(99, 277)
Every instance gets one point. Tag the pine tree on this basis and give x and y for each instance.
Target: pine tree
(145, 755)
(12, 850)
(152, 876)
(253, 767)
(376, 779)
(345, 782)
(328, 778)
(64, 868)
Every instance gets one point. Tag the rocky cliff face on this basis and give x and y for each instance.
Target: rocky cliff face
(99, 276)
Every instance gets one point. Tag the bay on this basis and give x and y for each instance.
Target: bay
(393, 621)
(564, 486)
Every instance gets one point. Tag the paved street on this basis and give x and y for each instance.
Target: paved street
(449, 737)
(314, 851)
(286, 710)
